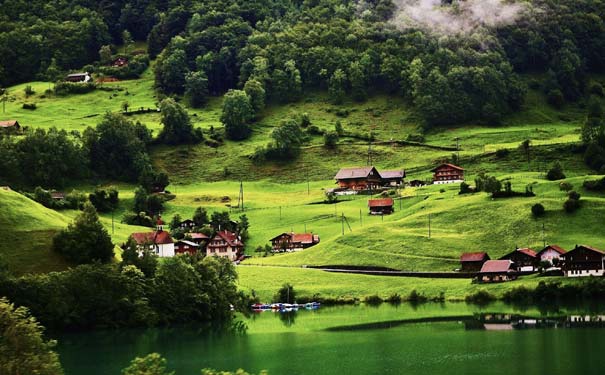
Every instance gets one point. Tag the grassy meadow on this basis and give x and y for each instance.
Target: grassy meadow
(288, 195)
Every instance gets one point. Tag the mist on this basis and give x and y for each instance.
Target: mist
(461, 17)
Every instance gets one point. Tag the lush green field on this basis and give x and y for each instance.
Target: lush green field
(265, 281)
(287, 196)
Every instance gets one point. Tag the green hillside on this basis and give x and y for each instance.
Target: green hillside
(28, 228)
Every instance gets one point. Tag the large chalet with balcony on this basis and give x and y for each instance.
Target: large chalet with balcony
(363, 178)
(294, 241)
(583, 261)
(225, 244)
(525, 259)
(448, 174)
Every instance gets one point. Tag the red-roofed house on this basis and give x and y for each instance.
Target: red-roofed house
(294, 241)
(550, 253)
(225, 244)
(494, 271)
(583, 261)
(185, 247)
(382, 206)
(525, 259)
(10, 126)
(472, 262)
(448, 174)
(358, 178)
(158, 240)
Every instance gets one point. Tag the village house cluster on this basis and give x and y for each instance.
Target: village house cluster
(581, 261)
(223, 243)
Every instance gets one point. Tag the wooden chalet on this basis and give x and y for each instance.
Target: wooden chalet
(198, 238)
(225, 244)
(187, 224)
(362, 178)
(525, 259)
(186, 247)
(550, 253)
(383, 206)
(158, 241)
(494, 271)
(57, 195)
(472, 262)
(392, 178)
(583, 261)
(448, 174)
(293, 241)
(120, 62)
(10, 126)
(79, 77)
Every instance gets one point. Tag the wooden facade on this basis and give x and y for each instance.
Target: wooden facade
(186, 247)
(583, 261)
(363, 178)
(225, 244)
(525, 259)
(293, 241)
(495, 271)
(392, 178)
(381, 206)
(448, 174)
(472, 262)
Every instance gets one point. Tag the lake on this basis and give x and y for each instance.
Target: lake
(450, 338)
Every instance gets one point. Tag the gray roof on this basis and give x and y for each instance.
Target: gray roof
(392, 174)
(188, 243)
(346, 173)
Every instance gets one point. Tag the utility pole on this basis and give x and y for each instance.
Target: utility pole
(241, 194)
(279, 213)
(342, 221)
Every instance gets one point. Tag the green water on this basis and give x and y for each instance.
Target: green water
(355, 340)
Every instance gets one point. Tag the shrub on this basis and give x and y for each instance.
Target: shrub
(373, 300)
(481, 297)
(465, 188)
(571, 205)
(594, 185)
(30, 106)
(555, 172)
(596, 88)
(502, 153)
(555, 98)
(538, 210)
(566, 186)
(330, 139)
(574, 195)
(66, 88)
(29, 91)
(394, 299)
(285, 294)
(305, 120)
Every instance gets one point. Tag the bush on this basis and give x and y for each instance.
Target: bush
(373, 300)
(29, 91)
(596, 88)
(538, 210)
(502, 153)
(574, 195)
(555, 98)
(566, 186)
(571, 205)
(480, 297)
(66, 88)
(30, 106)
(555, 172)
(594, 185)
(330, 139)
(465, 188)
(285, 294)
(419, 138)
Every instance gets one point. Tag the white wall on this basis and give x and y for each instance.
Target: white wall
(584, 273)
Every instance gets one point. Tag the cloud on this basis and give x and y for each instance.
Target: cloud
(461, 17)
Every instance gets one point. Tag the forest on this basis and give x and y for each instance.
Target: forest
(282, 48)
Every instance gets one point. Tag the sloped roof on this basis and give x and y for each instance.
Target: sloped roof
(230, 238)
(304, 238)
(473, 257)
(589, 248)
(155, 237)
(556, 248)
(526, 251)
(496, 266)
(447, 165)
(359, 172)
(8, 123)
(384, 202)
(198, 236)
(192, 244)
(392, 174)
